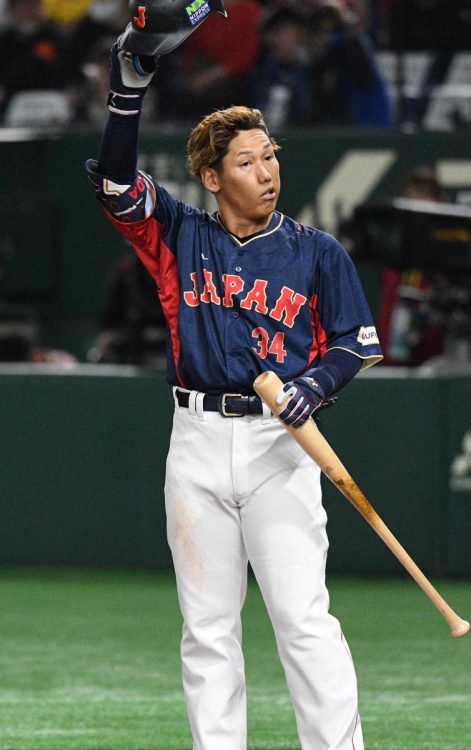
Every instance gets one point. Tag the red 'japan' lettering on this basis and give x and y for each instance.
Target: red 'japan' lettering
(257, 296)
(233, 284)
(192, 298)
(209, 294)
(288, 304)
(286, 308)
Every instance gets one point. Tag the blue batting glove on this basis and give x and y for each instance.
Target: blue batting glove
(306, 396)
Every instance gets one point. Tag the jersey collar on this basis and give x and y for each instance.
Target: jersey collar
(275, 223)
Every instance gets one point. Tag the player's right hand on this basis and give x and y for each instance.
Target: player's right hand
(129, 71)
(130, 76)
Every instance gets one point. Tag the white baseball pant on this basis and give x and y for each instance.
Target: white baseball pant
(240, 489)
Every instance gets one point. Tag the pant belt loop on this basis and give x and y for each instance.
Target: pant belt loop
(199, 405)
(192, 403)
(266, 415)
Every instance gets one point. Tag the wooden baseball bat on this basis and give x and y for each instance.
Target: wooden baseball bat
(268, 386)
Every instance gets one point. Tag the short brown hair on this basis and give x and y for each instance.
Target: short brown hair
(209, 140)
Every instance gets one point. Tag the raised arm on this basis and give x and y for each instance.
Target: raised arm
(126, 195)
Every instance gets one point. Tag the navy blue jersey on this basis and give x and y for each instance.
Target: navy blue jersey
(278, 300)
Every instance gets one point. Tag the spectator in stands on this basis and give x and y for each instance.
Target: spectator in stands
(436, 29)
(89, 37)
(32, 53)
(377, 23)
(132, 323)
(19, 342)
(91, 101)
(89, 40)
(217, 58)
(407, 333)
(422, 184)
(104, 19)
(65, 13)
(347, 86)
(279, 84)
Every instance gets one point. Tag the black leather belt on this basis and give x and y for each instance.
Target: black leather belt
(227, 404)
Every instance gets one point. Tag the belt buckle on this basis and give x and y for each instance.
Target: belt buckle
(222, 404)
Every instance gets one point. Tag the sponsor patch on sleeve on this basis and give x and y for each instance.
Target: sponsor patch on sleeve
(367, 335)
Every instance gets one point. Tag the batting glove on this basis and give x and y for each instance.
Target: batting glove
(130, 76)
(306, 396)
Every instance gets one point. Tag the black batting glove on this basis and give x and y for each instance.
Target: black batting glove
(306, 396)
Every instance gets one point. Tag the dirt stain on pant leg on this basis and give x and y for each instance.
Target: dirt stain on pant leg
(189, 559)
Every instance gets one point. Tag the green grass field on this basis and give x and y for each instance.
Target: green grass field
(89, 660)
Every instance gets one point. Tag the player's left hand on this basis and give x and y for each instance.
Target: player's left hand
(306, 396)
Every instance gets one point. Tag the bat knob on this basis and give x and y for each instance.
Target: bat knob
(461, 628)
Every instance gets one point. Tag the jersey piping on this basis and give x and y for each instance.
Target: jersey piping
(375, 358)
(255, 237)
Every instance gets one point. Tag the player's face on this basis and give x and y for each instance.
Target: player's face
(248, 185)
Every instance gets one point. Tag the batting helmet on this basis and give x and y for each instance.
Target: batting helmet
(158, 26)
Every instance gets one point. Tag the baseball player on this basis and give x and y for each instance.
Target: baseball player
(244, 290)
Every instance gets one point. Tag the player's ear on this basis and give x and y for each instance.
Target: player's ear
(210, 179)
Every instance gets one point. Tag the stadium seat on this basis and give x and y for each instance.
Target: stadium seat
(38, 109)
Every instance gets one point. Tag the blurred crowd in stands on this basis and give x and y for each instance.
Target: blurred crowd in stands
(306, 63)
(380, 64)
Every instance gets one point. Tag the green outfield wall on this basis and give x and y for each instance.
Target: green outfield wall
(57, 249)
(83, 463)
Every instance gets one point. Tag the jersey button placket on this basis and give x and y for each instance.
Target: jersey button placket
(232, 266)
